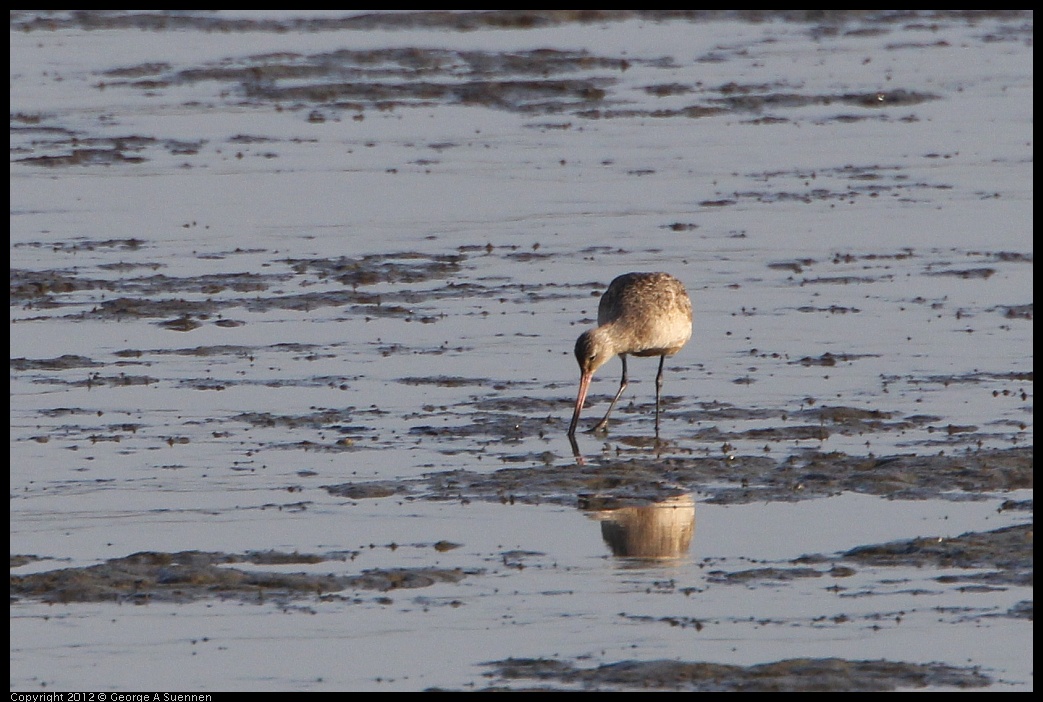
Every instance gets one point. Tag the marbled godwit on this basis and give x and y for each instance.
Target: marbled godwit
(642, 314)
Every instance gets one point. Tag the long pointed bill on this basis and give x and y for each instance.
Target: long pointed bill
(584, 385)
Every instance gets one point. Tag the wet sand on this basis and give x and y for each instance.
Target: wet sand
(293, 300)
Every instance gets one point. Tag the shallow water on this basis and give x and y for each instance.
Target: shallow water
(309, 284)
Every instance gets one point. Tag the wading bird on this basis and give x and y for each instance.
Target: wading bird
(641, 314)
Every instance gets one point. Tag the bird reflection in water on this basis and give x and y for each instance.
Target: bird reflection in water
(660, 531)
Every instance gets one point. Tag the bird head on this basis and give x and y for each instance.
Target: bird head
(593, 350)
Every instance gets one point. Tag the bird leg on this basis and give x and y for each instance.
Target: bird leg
(600, 426)
(658, 392)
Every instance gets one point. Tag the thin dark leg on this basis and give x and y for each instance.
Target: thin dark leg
(658, 392)
(600, 426)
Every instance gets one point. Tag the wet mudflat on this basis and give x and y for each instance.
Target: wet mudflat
(293, 300)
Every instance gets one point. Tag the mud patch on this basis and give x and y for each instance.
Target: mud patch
(791, 675)
(64, 362)
(1008, 551)
(404, 285)
(1000, 558)
(728, 480)
(187, 576)
(323, 87)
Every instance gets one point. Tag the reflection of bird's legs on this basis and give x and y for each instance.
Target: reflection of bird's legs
(575, 451)
(600, 426)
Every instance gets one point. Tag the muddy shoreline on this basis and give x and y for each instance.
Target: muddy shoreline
(287, 286)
